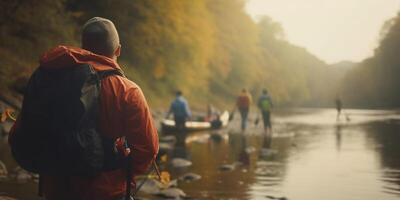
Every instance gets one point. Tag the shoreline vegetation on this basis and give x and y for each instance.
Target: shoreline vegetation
(209, 49)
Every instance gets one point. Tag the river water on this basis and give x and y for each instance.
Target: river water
(312, 156)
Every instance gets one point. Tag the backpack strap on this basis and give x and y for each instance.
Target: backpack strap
(118, 72)
(128, 178)
(105, 73)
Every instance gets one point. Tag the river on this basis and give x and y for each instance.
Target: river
(312, 157)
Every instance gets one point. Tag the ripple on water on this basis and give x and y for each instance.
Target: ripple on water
(391, 177)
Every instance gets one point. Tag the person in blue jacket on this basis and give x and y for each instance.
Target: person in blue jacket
(181, 111)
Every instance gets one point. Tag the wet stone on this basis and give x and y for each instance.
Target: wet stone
(165, 147)
(6, 198)
(150, 186)
(188, 177)
(250, 149)
(171, 193)
(173, 183)
(227, 167)
(180, 162)
(267, 171)
(267, 152)
(269, 164)
(201, 140)
(3, 170)
(35, 176)
(168, 139)
(276, 198)
(23, 177)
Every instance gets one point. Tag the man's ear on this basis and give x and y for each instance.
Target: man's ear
(117, 52)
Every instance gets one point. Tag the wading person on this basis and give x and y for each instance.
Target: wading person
(180, 110)
(84, 127)
(338, 104)
(243, 102)
(265, 105)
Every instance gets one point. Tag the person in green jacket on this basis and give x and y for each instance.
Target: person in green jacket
(265, 105)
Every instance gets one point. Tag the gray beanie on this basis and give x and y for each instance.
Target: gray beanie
(100, 36)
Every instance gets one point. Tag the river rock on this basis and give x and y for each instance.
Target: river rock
(268, 171)
(269, 164)
(168, 139)
(172, 193)
(250, 149)
(150, 186)
(227, 167)
(188, 177)
(180, 162)
(173, 183)
(3, 170)
(6, 198)
(23, 177)
(165, 147)
(264, 152)
(276, 198)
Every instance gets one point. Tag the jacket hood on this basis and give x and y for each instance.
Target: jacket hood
(64, 56)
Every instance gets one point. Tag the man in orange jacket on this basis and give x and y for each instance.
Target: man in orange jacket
(123, 113)
(243, 102)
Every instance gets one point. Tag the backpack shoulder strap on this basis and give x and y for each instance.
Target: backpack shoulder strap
(112, 72)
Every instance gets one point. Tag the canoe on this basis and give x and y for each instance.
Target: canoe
(169, 124)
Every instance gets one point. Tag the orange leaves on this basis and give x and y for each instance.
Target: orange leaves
(165, 178)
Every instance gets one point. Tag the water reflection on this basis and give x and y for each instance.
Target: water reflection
(338, 133)
(245, 151)
(310, 156)
(386, 139)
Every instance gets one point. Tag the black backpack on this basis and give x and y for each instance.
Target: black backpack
(57, 132)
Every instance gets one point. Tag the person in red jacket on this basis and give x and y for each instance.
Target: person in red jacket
(243, 102)
(124, 113)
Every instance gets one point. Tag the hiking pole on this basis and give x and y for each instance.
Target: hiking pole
(157, 170)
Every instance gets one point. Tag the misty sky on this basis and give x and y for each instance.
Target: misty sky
(333, 30)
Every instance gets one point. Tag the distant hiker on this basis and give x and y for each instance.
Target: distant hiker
(243, 102)
(180, 109)
(84, 127)
(338, 104)
(265, 105)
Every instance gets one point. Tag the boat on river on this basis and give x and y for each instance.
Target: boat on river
(199, 123)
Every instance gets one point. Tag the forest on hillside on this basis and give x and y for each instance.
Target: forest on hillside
(375, 82)
(209, 49)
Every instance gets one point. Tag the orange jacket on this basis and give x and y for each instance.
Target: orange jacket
(123, 112)
(243, 101)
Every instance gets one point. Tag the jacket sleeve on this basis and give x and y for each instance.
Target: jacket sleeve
(139, 130)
